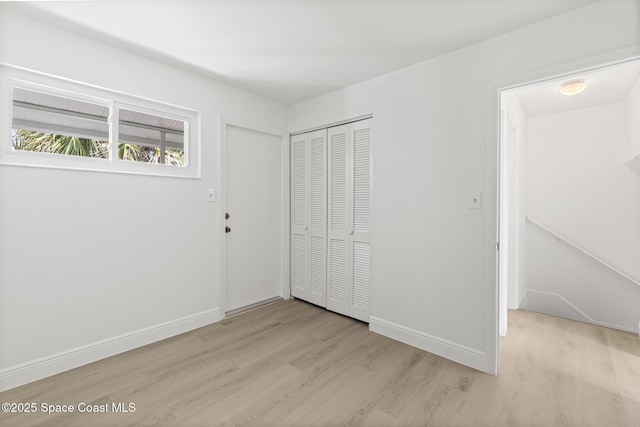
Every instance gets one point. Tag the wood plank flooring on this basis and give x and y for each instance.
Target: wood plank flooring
(293, 364)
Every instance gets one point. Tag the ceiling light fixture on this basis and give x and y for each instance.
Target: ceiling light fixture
(573, 87)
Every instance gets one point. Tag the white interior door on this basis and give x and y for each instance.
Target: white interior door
(349, 219)
(309, 216)
(300, 287)
(253, 200)
(361, 220)
(338, 259)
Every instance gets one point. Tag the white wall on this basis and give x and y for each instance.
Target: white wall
(578, 186)
(433, 259)
(87, 256)
(632, 105)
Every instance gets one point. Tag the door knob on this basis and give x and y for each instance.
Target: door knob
(226, 216)
(227, 229)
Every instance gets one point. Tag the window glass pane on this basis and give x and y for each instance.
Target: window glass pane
(149, 138)
(55, 124)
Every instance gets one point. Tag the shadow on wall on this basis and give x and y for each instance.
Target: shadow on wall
(566, 283)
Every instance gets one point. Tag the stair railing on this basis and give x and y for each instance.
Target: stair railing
(584, 251)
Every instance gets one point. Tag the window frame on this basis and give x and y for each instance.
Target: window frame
(114, 123)
(14, 77)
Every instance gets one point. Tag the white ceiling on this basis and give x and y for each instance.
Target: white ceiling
(291, 50)
(605, 86)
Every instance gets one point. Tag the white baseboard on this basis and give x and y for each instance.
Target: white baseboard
(43, 367)
(555, 304)
(450, 350)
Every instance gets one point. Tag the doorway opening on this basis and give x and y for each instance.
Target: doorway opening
(569, 198)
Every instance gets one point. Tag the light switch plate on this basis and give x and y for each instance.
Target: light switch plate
(475, 200)
(211, 195)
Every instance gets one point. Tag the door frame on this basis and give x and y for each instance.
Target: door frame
(283, 274)
(494, 139)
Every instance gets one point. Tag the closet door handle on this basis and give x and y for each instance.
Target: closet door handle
(227, 229)
(351, 232)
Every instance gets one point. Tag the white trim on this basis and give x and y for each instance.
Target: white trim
(492, 288)
(222, 196)
(283, 274)
(257, 127)
(334, 124)
(46, 366)
(457, 352)
(585, 317)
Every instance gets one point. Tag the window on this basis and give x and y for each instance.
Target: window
(148, 138)
(47, 123)
(57, 123)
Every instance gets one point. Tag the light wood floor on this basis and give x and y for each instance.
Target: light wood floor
(294, 364)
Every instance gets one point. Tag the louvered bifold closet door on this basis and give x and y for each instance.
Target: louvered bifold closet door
(318, 219)
(338, 269)
(300, 274)
(309, 216)
(359, 248)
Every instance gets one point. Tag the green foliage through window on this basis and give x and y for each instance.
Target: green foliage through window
(27, 140)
